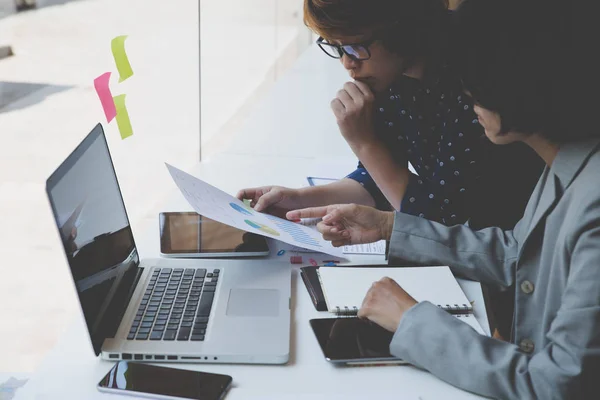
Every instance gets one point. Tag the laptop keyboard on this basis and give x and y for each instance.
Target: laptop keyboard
(176, 305)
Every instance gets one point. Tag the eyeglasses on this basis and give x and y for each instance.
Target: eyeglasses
(356, 51)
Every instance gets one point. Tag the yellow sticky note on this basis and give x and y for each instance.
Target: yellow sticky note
(118, 49)
(123, 117)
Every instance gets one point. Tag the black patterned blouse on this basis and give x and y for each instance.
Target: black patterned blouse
(433, 127)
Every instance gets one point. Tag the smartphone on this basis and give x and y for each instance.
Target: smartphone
(149, 381)
(191, 235)
(354, 341)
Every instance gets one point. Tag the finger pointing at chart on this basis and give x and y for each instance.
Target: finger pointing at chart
(349, 223)
(312, 212)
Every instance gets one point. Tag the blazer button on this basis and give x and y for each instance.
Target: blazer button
(526, 345)
(527, 287)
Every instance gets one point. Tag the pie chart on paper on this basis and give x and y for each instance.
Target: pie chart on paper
(240, 209)
(262, 228)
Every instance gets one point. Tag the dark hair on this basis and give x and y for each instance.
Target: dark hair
(514, 56)
(409, 28)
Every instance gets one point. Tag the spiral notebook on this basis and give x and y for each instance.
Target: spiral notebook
(344, 288)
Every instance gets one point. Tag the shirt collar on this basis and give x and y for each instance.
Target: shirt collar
(570, 159)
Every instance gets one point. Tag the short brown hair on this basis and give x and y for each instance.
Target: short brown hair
(410, 28)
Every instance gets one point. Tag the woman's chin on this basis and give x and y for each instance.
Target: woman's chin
(497, 138)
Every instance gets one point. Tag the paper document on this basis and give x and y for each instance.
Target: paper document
(367, 248)
(222, 207)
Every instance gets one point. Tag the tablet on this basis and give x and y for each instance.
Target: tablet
(353, 341)
(315, 181)
(188, 234)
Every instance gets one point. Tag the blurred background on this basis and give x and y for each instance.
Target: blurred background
(50, 53)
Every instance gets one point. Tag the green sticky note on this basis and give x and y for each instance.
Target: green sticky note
(118, 49)
(122, 117)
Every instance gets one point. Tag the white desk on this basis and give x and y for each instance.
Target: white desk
(71, 371)
(72, 363)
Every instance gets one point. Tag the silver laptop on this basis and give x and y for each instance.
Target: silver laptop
(213, 311)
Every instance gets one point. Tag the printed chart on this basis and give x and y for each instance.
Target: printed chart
(241, 209)
(262, 228)
(296, 231)
(215, 204)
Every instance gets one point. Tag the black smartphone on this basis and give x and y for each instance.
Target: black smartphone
(353, 341)
(149, 381)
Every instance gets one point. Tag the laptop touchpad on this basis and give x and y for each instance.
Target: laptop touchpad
(253, 303)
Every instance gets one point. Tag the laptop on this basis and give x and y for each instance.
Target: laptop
(172, 310)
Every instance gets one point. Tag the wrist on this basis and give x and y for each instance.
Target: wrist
(364, 143)
(313, 196)
(301, 197)
(387, 224)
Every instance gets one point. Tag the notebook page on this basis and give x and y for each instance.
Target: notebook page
(347, 287)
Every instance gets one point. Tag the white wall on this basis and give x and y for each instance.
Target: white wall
(7, 7)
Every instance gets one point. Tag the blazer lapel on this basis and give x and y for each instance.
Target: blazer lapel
(566, 166)
(548, 200)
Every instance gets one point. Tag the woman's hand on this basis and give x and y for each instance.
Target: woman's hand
(275, 200)
(385, 304)
(345, 224)
(353, 110)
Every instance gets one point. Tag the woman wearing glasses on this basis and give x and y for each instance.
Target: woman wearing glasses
(516, 58)
(406, 104)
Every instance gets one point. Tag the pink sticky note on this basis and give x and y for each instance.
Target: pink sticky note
(101, 84)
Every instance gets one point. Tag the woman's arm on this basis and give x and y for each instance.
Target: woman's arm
(488, 255)
(390, 177)
(566, 368)
(342, 191)
(354, 108)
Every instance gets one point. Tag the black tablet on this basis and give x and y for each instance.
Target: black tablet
(353, 341)
(188, 234)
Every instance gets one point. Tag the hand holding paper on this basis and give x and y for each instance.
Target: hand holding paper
(220, 206)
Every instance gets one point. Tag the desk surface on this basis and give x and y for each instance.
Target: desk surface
(71, 371)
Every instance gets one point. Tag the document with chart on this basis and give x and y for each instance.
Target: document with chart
(213, 203)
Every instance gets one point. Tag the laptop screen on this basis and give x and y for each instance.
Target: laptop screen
(93, 225)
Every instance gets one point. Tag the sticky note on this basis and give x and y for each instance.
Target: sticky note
(101, 84)
(296, 259)
(118, 49)
(123, 117)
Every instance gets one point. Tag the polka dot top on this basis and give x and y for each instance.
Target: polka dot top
(433, 127)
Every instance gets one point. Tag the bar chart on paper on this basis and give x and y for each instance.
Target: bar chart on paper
(295, 231)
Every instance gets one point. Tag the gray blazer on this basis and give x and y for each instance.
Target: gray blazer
(552, 256)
